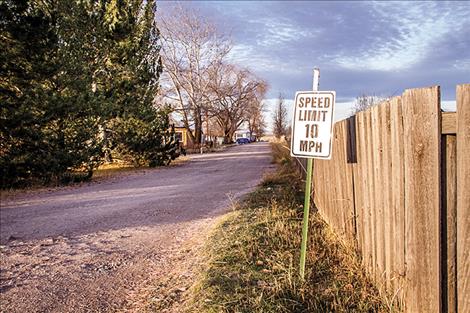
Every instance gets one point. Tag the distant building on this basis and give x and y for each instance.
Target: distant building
(181, 133)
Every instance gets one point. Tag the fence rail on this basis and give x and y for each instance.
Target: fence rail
(398, 186)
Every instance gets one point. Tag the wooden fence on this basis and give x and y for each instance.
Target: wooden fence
(398, 186)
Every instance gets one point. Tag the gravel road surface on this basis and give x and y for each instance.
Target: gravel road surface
(102, 247)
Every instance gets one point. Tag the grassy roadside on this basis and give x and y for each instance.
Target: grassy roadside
(253, 258)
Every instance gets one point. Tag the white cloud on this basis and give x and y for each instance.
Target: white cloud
(279, 31)
(251, 57)
(419, 27)
(267, 52)
(463, 65)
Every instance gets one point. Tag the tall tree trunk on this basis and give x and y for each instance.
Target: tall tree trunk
(228, 134)
(192, 138)
(250, 129)
(231, 134)
(198, 126)
(227, 137)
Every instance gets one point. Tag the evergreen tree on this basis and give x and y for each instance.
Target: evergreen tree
(28, 46)
(130, 81)
(69, 69)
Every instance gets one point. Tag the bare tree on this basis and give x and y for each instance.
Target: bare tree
(190, 47)
(255, 117)
(363, 102)
(280, 118)
(232, 92)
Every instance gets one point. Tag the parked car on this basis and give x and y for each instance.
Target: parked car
(242, 141)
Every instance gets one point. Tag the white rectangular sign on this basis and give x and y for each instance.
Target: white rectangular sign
(312, 124)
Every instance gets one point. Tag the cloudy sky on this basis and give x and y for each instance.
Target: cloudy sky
(378, 48)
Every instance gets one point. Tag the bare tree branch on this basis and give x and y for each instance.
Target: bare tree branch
(280, 118)
(191, 48)
(232, 92)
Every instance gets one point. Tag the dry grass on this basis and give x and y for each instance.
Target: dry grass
(253, 258)
(111, 169)
(117, 168)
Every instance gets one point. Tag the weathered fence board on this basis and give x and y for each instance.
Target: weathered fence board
(449, 223)
(361, 199)
(386, 165)
(463, 197)
(422, 135)
(377, 215)
(346, 174)
(370, 189)
(449, 123)
(351, 160)
(398, 197)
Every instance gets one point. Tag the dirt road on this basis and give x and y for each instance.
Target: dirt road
(104, 246)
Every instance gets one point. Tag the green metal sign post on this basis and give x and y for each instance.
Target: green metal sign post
(303, 246)
(308, 187)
